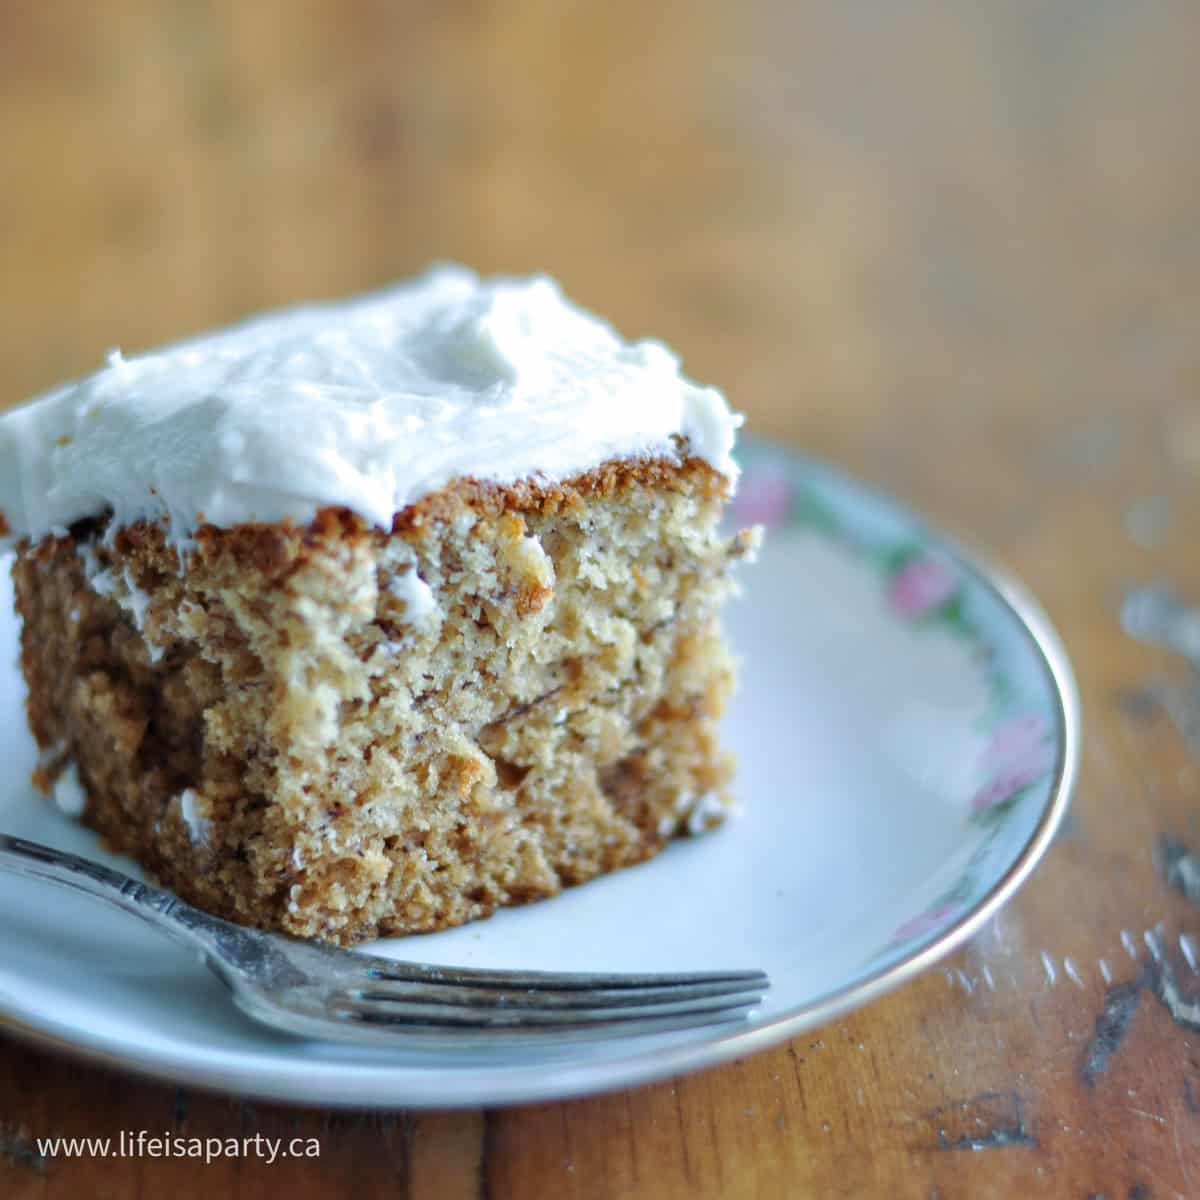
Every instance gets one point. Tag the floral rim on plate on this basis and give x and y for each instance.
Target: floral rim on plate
(924, 585)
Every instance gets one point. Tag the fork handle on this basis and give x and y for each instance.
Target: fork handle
(167, 913)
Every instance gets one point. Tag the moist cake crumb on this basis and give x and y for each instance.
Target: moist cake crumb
(345, 730)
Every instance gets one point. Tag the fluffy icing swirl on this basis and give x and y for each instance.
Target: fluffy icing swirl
(368, 404)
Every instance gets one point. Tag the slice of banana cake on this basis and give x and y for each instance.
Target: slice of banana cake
(369, 618)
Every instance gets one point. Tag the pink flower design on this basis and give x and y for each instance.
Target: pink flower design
(764, 499)
(1018, 741)
(921, 586)
(927, 922)
(1005, 786)
(1018, 754)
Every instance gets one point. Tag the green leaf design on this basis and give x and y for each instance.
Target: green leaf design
(895, 558)
(809, 512)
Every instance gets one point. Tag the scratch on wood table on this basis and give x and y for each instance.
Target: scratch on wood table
(990, 1121)
(1179, 868)
(17, 1148)
(1120, 1005)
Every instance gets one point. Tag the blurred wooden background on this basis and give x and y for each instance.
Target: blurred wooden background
(954, 248)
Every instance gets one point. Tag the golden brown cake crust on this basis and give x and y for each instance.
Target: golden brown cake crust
(342, 732)
(262, 545)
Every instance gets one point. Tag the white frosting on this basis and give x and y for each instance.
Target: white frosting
(131, 598)
(69, 796)
(369, 404)
(198, 825)
(419, 603)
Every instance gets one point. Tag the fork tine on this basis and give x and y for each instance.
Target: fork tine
(406, 972)
(426, 1037)
(550, 1001)
(544, 999)
(415, 1015)
(537, 1008)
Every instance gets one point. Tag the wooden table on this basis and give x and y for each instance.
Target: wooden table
(957, 254)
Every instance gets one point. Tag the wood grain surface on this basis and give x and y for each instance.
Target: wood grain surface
(953, 248)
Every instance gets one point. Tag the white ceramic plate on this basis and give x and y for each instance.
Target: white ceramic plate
(907, 736)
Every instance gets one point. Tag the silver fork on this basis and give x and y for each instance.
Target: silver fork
(319, 991)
